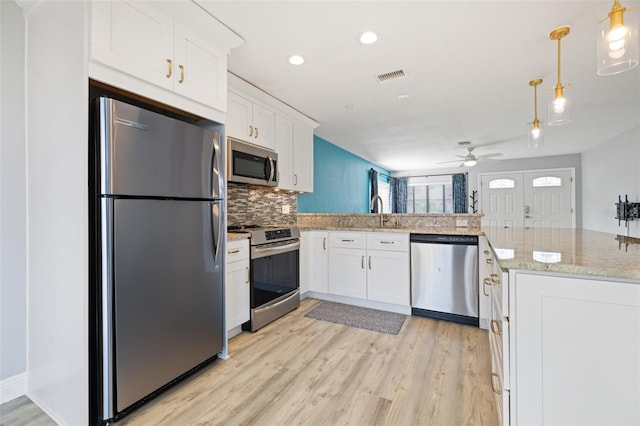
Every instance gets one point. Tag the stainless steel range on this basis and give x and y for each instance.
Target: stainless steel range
(275, 273)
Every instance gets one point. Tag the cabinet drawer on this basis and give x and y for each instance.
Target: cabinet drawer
(387, 241)
(356, 240)
(237, 250)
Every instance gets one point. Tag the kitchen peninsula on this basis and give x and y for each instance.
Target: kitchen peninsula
(564, 313)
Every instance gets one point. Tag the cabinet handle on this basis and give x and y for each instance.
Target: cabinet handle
(248, 275)
(170, 62)
(250, 131)
(347, 241)
(362, 262)
(485, 283)
(256, 136)
(181, 74)
(324, 243)
(369, 262)
(495, 390)
(295, 179)
(495, 327)
(236, 251)
(486, 252)
(387, 242)
(495, 279)
(489, 261)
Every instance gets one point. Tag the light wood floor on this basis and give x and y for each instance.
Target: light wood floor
(303, 371)
(22, 412)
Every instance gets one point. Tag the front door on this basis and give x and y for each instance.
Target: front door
(537, 199)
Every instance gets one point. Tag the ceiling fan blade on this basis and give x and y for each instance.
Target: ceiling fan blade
(486, 156)
(453, 161)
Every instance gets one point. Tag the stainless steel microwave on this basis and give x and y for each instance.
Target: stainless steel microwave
(248, 163)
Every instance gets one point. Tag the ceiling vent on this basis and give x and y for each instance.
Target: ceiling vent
(391, 75)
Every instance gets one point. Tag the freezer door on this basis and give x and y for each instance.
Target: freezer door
(444, 278)
(167, 292)
(143, 153)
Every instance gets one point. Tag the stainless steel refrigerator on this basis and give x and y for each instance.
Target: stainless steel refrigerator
(160, 236)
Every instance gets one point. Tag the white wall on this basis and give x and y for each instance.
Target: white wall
(608, 170)
(13, 233)
(535, 163)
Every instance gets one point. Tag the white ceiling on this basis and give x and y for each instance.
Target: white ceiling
(468, 66)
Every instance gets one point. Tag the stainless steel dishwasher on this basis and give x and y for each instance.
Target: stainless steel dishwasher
(444, 277)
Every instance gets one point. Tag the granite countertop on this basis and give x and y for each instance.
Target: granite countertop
(571, 251)
(238, 236)
(440, 230)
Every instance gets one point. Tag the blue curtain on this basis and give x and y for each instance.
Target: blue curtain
(459, 193)
(399, 188)
(373, 178)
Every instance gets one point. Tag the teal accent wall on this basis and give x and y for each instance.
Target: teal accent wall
(340, 181)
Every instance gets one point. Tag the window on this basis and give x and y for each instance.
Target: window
(547, 181)
(431, 194)
(385, 193)
(502, 183)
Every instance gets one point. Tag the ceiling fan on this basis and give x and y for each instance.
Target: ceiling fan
(470, 159)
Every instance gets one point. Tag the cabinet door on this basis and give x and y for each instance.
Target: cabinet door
(347, 273)
(263, 126)
(239, 117)
(237, 293)
(314, 255)
(284, 148)
(388, 276)
(200, 69)
(577, 346)
(302, 158)
(134, 37)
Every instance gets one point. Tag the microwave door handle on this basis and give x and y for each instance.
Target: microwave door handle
(271, 169)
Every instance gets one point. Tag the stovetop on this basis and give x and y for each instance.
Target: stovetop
(263, 234)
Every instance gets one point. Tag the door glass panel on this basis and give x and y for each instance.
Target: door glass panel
(502, 183)
(544, 181)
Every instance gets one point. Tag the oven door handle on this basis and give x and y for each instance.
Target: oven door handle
(257, 252)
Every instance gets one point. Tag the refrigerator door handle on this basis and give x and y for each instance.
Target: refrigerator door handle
(107, 345)
(216, 228)
(216, 168)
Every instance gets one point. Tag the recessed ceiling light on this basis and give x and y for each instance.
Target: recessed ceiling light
(368, 37)
(296, 60)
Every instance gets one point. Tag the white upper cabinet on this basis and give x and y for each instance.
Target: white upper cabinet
(302, 158)
(250, 121)
(171, 52)
(256, 117)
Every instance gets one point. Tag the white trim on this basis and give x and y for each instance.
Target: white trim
(13, 387)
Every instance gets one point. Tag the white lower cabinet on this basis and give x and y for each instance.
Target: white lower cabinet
(576, 347)
(237, 288)
(485, 269)
(370, 265)
(314, 262)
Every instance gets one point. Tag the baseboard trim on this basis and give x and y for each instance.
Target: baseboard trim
(13, 387)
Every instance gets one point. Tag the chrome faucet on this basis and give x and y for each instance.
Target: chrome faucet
(373, 203)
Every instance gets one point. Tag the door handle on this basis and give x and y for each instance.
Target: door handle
(181, 74)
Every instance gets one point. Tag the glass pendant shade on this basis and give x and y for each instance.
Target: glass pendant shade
(559, 107)
(536, 135)
(618, 49)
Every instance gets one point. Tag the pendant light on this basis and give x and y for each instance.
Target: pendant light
(618, 41)
(559, 104)
(536, 136)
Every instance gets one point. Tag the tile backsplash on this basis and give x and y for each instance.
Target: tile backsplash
(259, 205)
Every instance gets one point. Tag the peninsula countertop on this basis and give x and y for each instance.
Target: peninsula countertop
(570, 251)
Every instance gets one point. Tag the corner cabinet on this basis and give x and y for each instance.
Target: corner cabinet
(256, 117)
(237, 287)
(171, 52)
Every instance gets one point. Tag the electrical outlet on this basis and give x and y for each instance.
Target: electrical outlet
(286, 209)
(461, 223)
